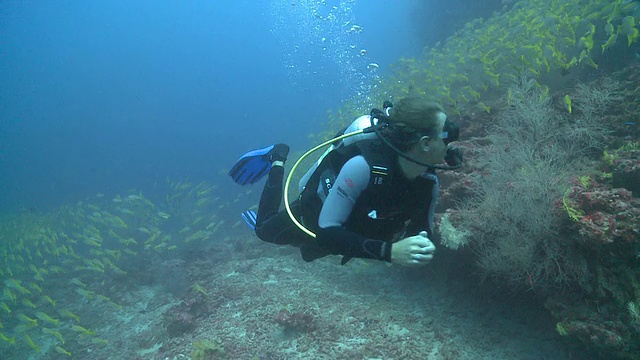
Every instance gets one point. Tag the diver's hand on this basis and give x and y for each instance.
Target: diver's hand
(413, 251)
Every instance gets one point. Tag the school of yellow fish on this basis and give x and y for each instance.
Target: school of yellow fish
(51, 262)
(544, 37)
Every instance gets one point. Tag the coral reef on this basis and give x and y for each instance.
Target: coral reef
(295, 322)
(451, 237)
(181, 318)
(626, 168)
(207, 349)
(178, 321)
(604, 215)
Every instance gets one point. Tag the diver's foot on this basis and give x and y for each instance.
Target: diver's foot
(251, 218)
(278, 153)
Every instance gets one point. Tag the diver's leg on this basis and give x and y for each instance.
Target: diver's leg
(279, 229)
(270, 224)
(271, 195)
(276, 227)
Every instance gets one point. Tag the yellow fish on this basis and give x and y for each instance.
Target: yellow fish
(62, 351)
(610, 42)
(46, 318)
(128, 241)
(567, 103)
(5, 307)
(10, 340)
(68, 314)
(82, 331)
(30, 342)
(15, 284)
(29, 321)
(26, 302)
(629, 28)
(484, 107)
(54, 333)
(77, 281)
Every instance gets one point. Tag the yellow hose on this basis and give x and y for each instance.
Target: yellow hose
(293, 169)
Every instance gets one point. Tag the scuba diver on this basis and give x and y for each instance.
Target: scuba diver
(371, 195)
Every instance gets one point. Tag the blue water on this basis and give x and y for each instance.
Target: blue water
(106, 96)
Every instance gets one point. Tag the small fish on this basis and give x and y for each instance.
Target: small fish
(62, 351)
(30, 342)
(77, 281)
(68, 314)
(484, 107)
(127, 211)
(610, 42)
(50, 300)
(567, 103)
(204, 192)
(609, 29)
(26, 302)
(202, 201)
(5, 307)
(10, 340)
(46, 318)
(144, 230)
(10, 295)
(128, 241)
(87, 294)
(16, 285)
(164, 215)
(54, 333)
(27, 320)
(82, 331)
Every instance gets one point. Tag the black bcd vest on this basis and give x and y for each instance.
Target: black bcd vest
(385, 206)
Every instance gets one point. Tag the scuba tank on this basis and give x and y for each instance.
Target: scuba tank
(361, 123)
(355, 127)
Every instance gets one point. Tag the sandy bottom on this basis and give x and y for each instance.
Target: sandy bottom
(362, 310)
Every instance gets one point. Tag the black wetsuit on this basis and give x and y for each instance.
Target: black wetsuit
(369, 206)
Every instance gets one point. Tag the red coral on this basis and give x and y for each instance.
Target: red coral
(609, 214)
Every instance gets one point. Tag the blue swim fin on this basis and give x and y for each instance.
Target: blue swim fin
(250, 217)
(251, 166)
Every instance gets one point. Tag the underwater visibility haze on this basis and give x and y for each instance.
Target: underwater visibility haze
(113, 95)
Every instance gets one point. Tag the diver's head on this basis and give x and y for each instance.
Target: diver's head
(417, 129)
(416, 125)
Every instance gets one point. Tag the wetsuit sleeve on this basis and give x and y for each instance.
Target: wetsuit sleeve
(352, 180)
